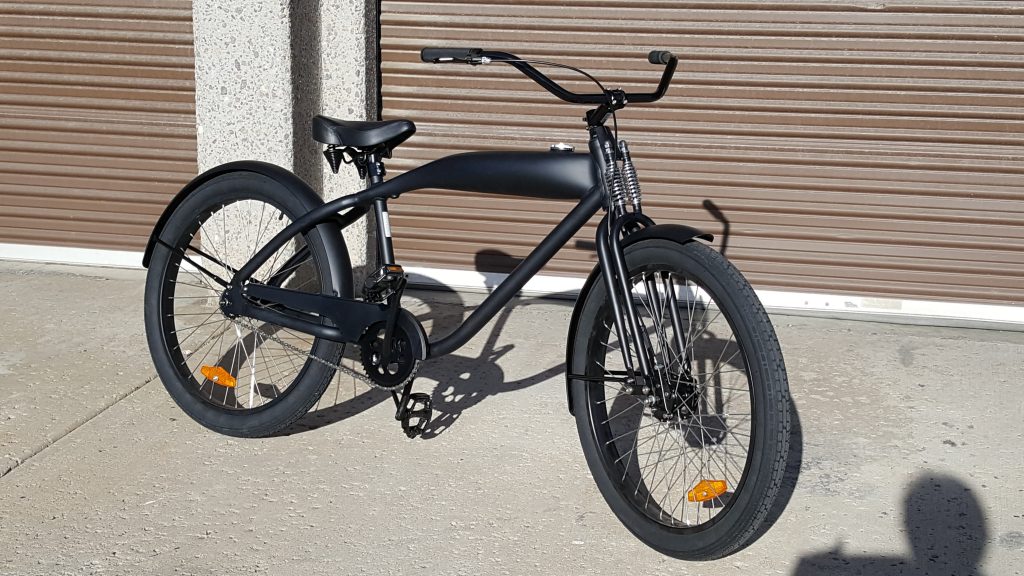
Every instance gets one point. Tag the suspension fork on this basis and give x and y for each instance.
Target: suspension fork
(616, 279)
(682, 338)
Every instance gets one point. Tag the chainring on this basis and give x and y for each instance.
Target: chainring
(401, 366)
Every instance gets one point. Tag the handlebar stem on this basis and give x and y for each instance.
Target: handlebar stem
(616, 100)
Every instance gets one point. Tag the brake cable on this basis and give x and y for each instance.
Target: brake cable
(479, 60)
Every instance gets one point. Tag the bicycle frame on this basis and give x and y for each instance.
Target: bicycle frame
(649, 296)
(554, 175)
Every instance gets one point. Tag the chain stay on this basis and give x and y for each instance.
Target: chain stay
(337, 367)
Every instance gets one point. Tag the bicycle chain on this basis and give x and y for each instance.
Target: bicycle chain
(337, 367)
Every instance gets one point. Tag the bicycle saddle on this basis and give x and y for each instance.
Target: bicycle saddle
(358, 134)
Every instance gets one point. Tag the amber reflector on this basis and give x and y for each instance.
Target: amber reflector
(706, 490)
(218, 376)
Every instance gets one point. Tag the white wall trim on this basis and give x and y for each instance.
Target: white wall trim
(960, 314)
(925, 312)
(67, 255)
(474, 281)
(906, 311)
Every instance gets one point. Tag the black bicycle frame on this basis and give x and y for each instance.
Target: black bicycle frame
(554, 175)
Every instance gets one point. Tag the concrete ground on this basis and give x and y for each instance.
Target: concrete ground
(909, 451)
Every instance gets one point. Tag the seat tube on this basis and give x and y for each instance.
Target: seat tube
(385, 248)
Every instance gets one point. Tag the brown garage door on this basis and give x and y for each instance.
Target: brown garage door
(873, 148)
(97, 119)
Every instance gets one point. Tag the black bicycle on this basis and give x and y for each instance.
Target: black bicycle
(674, 372)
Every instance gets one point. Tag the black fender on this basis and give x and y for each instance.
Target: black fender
(675, 232)
(334, 244)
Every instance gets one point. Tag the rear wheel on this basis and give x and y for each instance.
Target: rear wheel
(237, 376)
(691, 460)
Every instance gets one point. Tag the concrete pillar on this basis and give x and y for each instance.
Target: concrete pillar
(348, 64)
(264, 68)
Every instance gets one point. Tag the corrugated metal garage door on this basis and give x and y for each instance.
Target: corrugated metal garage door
(874, 148)
(97, 119)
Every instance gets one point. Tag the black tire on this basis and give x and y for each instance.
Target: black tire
(229, 218)
(748, 376)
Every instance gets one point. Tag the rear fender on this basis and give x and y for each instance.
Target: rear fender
(334, 244)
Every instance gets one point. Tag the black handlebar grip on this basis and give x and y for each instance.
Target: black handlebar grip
(449, 54)
(659, 57)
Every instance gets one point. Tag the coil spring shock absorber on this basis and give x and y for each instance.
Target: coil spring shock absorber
(629, 178)
(613, 179)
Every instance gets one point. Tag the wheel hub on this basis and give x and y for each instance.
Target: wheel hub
(230, 301)
(674, 396)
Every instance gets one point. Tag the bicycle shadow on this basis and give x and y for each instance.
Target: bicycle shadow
(945, 526)
(459, 381)
(463, 381)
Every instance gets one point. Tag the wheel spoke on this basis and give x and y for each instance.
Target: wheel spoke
(663, 455)
(218, 244)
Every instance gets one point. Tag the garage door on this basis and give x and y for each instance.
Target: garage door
(872, 148)
(97, 119)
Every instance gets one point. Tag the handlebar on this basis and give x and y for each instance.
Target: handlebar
(477, 56)
(440, 55)
(660, 57)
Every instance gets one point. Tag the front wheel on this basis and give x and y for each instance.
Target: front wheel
(691, 459)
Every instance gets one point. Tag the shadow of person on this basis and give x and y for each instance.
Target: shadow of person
(945, 527)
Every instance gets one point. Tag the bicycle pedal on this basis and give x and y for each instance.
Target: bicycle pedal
(416, 414)
(378, 286)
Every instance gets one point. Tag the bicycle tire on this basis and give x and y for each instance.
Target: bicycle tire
(285, 383)
(733, 517)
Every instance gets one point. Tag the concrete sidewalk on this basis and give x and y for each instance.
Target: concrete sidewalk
(909, 447)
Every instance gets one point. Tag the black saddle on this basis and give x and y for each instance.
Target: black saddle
(363, 135)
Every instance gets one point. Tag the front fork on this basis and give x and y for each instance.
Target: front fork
(606, 152)
(663, 382)
(645, 374)
(616, 278)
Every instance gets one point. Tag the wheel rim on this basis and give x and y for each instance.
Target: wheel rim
(263, 359)
(655, 456)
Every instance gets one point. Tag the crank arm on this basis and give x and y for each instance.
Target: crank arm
(394, 306)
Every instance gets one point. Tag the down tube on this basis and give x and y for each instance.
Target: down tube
(526, 270)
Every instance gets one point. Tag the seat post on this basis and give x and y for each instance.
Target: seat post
(385, 248)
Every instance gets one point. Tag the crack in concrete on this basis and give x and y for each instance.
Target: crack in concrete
(16, 461)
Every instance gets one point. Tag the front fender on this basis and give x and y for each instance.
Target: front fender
(675, 232)
(332, 240)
